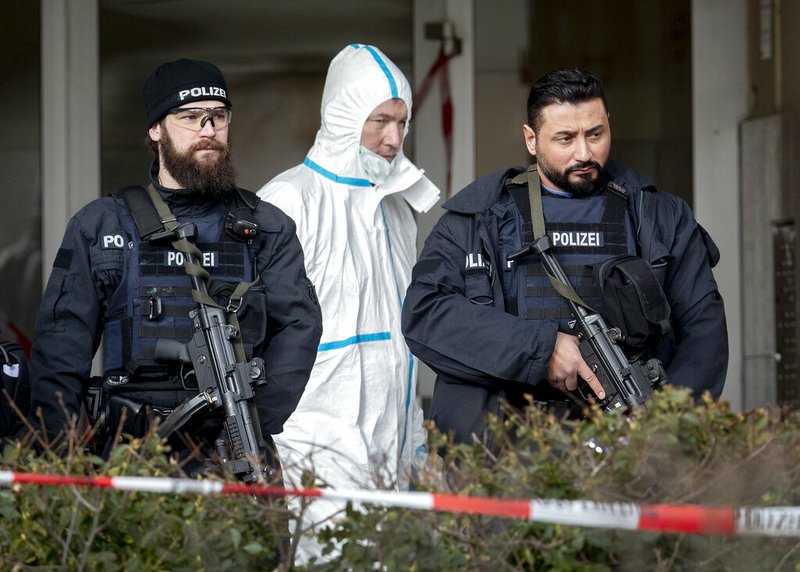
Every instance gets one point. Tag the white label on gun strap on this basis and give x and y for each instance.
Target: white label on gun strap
(11, 369)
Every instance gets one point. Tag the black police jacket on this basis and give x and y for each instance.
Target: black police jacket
(86, 274)
(481, 352)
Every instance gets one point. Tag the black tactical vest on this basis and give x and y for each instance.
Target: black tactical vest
(584, 232)
(155, 294)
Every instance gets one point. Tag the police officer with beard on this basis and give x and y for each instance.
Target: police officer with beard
(489, 322)
(108, 280)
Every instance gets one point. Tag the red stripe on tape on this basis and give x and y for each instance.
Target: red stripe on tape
(687, 518)
(39, 479)
(496, 507)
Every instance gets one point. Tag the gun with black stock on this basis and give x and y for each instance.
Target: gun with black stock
(222, 380)
(627, 384)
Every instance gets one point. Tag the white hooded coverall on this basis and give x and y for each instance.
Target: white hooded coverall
(358, 423)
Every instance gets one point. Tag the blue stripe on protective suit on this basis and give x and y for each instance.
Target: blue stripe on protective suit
(334, 177)
(384, 68)
(359, 339)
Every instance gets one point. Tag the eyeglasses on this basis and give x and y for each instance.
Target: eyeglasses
(195, 118)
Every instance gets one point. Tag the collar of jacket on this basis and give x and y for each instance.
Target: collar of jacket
(482, 193)
(486, 191)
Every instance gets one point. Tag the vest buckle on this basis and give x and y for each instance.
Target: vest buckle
(154, 308)
(233, 305)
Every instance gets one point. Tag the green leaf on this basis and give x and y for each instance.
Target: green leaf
(254, 548)
(236, 536)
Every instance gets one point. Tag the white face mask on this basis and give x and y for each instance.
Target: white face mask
(377, 168)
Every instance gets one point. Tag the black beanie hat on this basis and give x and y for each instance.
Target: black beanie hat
(176, 83)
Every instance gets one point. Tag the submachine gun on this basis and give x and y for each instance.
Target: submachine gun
(627, 384)
(223, 380)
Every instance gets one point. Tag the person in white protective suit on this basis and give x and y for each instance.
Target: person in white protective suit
(358, 423)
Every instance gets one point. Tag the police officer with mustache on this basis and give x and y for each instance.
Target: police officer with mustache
(495, 329)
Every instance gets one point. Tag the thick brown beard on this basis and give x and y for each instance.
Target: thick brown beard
(585, 187)
(216, 177)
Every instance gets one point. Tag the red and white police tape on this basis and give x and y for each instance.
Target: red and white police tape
(687, 519)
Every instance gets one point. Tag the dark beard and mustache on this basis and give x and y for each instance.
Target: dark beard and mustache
(211, 176)
(585, 186)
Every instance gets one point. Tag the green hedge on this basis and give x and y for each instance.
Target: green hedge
(676, 451)
(75, 528)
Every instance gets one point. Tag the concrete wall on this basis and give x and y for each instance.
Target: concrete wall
(719, 99)
(769, 206)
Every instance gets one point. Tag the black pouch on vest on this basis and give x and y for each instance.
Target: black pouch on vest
(633, 301)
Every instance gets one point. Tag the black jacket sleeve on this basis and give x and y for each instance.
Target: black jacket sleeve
(69, 324)
(697, 312)
(460, 340)
(294, 321)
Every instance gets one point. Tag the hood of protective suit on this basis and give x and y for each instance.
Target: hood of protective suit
(359, 79)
